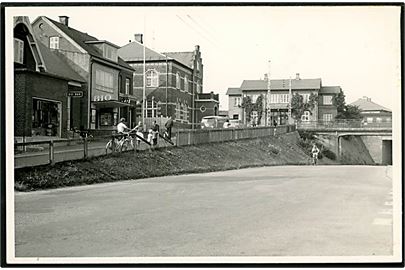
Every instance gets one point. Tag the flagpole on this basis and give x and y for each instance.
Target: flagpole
(268, 109)
(144, 75)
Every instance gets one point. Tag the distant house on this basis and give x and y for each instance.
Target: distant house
(45, 87)
(280, 99)
(372, 112)
(172, 81)
(109, 94)
(235, 110)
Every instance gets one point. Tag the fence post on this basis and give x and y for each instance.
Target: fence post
(51, 153)
(85, 146)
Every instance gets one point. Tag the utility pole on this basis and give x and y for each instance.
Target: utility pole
(289, 101)
(144, 76)
(268, 107)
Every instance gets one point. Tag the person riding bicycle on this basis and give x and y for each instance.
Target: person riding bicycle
(315, 152)
(121, 128)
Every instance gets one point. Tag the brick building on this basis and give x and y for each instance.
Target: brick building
(279, 99)
(172, 81)
(109, 94)
(42, 84)
(206, 104)
(373, 113)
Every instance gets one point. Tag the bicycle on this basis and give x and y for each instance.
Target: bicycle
(123, 144)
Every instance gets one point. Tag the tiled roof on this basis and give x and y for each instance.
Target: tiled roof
(57, 66)
(365, 104)
(81, 38)
(186, 58)
(234, 91)
(282, 84)
(133, 51)
(330, 90)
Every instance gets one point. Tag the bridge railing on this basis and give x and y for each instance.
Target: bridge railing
(341, 123)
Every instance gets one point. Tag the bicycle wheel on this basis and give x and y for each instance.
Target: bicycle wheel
(108, 146)
(125, 145)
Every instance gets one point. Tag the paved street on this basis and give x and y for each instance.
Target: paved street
(272, 211)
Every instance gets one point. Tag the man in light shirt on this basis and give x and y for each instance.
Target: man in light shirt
(121, 127)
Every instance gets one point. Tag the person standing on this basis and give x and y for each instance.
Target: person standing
(155, 132)
(227, 124)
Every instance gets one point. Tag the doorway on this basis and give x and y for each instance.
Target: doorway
(386, 152)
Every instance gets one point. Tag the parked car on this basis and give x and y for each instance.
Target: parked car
(213, 121)
(235, 123)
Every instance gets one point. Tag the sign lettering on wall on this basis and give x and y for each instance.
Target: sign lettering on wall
(101, 97)
(75, 94)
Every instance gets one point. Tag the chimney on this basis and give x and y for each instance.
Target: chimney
(139, 38)
(297, 76)
(212, 94)
(64, 20)
(366, 98)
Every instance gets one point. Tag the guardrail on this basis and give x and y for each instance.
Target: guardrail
(341, 124)
(201, 136)
(54, 151)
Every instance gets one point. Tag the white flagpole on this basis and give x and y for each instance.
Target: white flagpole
(268, 109)
(144, 75)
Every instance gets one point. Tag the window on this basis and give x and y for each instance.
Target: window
(327, 117)
(151, 108)
(238, 101)
(185, 83)
(127, 86)
(235, 116)
(104, 81)
(178, 81)
(254, 98)
(306, 116)
(152, 78)
(378, 119)
(18, 51)
(327, 100)
(369, 119)
(54, 42)
(110, 52)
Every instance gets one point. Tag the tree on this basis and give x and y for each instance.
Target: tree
(258, 107)
(247, 105)
(339, 101)
(349, 112)
(298, 106)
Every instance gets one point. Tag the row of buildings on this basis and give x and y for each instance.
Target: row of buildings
(323, 111)
(66, 79)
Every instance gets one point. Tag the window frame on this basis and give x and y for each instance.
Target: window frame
(127, 86)
(152, 78)
(327, 100)
(19, 50)
(178, 80)
(54, 42)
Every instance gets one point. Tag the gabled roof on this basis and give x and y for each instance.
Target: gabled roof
(80, 38)
(234, 91)
(330, 90)
(282, 84)
(133, 51)
(55, 65)
(186, 58)
(365, 104)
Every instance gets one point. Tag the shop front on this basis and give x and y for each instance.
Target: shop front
(46, 117)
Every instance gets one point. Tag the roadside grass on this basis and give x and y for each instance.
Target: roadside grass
(270, 151)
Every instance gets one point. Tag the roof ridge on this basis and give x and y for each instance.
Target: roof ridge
(70, 28)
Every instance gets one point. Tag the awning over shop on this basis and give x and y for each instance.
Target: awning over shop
(110, 104)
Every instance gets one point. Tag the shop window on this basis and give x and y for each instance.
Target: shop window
(106, 118)
(93, 116)
(18, 51)
(54, 42)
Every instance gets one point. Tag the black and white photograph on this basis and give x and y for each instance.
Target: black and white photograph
(202, 133)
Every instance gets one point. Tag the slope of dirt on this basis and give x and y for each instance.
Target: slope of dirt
(280, 150)
(355, 152)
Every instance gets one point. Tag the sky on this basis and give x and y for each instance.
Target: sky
(357, 48)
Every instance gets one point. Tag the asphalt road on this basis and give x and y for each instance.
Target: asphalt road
(272, 211)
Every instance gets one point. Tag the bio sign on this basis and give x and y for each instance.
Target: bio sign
(101, 97)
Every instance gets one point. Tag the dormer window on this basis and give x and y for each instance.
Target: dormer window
(18, 51)
(110, 52)
(54, 42)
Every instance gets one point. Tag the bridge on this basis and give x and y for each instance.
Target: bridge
(377, 138)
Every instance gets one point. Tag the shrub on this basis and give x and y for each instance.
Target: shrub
(329, 154)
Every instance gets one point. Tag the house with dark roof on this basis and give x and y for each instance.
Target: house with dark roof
(47, 90)
(280, 99)
(171, 83)
(373, 113)
(109, 94)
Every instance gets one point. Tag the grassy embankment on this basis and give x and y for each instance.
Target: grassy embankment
(280, 150)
